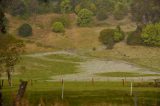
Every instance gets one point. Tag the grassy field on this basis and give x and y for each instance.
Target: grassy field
(85, 94)
(37, 68)
(125, 74)
(65, 57)
(81, 40)
(147, 57)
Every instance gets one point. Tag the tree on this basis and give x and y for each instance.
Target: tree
(10, 50)
(66, 6)
(104, 8)
(118, 34)
(2, 21)
(145, 11)
(120, 11)
(84, 17)
(86, 4)
(151, 34)
(25, 30)
(18, 8)
(3, 4)
(10, 47)
(58, 27)
(106, 37)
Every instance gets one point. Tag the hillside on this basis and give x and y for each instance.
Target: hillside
(84, 39)
(74, 38)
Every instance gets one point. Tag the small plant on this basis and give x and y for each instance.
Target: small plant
(58, 27)
(25, 30)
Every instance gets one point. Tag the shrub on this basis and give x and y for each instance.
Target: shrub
(118, 34)
(64, 19)
(84, 17)
(58, 27)
(151, 34)
(106, 37)
(25, 30)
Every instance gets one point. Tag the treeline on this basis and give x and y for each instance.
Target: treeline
(145, 13)
(100, 8)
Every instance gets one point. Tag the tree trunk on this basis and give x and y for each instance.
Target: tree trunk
(9, 77)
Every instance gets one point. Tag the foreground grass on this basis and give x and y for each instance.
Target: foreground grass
(85, 94)
(125, 74)
(37, 68)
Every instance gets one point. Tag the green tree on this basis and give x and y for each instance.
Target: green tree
(151, 34)
(66, 6)
(104, 8)
(145, 11)
(118, 34)
(86, 4)
(25, 30)
(106, 37)
(18, 8)
(121, 10)
(10, 50)
(84, 17)
(58, 27)
(3, 25)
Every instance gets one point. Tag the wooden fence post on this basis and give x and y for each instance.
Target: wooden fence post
(20, 93)
(62, 89)
(123, 81)
(131, 92)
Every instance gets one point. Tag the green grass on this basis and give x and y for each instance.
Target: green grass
(151, 63)
(84, 93)
(125, 74)
(37, 68)
(65, 57)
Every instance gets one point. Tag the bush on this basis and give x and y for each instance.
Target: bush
(25, 30)
(64, 19)
(106, 37)
(84, 17)
(151, 34)
(118, 34)
(58, 27)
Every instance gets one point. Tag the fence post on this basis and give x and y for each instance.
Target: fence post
(20, 93)
(123, 81)
(131, 92)
(62, 89)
